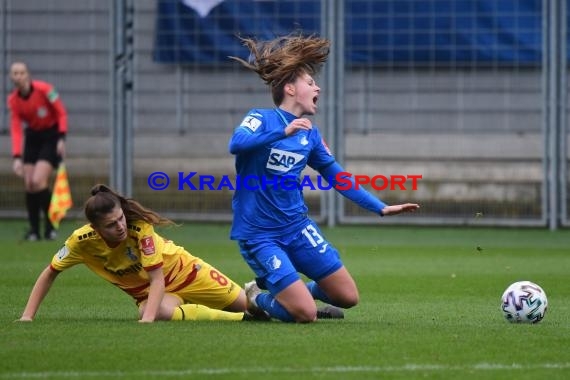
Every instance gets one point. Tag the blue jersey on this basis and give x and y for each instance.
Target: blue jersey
(273, 206)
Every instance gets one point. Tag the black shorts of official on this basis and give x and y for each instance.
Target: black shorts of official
(41, 145)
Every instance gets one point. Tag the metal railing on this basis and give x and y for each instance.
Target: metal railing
(488, 136)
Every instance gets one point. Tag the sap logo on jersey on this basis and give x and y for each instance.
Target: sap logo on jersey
(282, 161)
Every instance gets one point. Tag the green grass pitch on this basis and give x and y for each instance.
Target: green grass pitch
(429, 310)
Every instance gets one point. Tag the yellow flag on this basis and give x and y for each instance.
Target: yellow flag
(61, 197)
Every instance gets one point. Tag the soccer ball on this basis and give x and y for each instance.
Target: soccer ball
(524, 302)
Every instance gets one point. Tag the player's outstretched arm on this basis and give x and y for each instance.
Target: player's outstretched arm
(155, 295)
(39, 291)
(398, 209)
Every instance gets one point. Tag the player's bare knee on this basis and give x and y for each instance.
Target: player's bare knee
(306, 317)
(348, 301)
(351, 303)
(304, 314)
(345, 298)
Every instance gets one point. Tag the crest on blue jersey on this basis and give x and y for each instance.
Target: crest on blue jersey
(273, 262)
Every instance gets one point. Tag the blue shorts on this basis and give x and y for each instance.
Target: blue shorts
(278, 262)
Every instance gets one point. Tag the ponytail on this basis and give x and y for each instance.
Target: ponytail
(103, 200)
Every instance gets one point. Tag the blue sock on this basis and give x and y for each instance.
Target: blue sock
(317, 292)
(265, 301)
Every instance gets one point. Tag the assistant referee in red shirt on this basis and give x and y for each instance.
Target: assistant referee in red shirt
(38, 148)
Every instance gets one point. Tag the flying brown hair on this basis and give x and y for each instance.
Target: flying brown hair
(283, 59)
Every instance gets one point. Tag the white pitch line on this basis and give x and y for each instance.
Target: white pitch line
(276, 370)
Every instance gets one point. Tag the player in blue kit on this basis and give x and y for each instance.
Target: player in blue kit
(276, 237)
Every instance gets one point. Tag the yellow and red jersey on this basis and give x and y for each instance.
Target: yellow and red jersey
(40, 110)
(126, 265)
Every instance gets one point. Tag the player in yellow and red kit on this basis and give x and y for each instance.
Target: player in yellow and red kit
(166, 281)
(38, 149)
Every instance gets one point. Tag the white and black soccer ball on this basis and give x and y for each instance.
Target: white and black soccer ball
(524, 302)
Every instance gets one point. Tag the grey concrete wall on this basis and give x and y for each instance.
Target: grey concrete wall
(472, 134)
